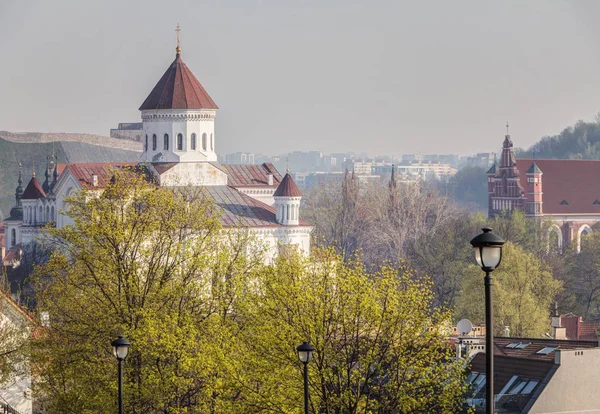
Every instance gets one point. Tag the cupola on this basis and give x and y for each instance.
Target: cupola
(287, 202)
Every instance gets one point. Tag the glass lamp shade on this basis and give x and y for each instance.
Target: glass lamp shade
(305, 352)
(488, 249)
(120, 348)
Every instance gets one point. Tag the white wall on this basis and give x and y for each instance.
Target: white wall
(178, 121)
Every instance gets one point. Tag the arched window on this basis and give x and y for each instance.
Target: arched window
(146, 145)
(154, 142)
(166, 142)
(179, 142)
(13, 237)
(287, 213)
(212, 143)
(47, 213)
(193, 143)
(204, 141)
(52, 213)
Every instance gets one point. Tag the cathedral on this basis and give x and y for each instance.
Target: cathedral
(567, 192)
(178, 119)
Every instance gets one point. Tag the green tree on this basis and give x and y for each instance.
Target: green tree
(524, 292)
(379, 346)
(582, 277)
(149, 263)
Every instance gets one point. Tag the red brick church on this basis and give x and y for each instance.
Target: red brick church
(570, 195)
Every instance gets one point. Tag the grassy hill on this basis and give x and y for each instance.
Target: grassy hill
(34, 153)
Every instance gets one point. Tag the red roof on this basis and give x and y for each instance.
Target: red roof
(287, 188)
(84, 173)
(569, 186)
(577, 328)
(239, 209)
(249, 175)
(178, 89)
(535, 345)
(34, 190)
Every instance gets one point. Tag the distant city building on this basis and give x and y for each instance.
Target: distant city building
(237, 158)
(570, 198)
(411, 171)
(129, 130)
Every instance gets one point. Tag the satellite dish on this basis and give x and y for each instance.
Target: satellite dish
(464, 327)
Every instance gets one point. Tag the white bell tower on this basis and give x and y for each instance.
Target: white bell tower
(179, 117)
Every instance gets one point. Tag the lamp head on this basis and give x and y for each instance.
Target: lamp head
(488, 249)
(305, 352)
(120, 348)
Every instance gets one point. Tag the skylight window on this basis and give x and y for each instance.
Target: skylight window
(596, 202)
(518, 345)
(546, 350)
(564, 203)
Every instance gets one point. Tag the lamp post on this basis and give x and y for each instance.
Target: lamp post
(120, 348)
(488, 254)
(305, 353)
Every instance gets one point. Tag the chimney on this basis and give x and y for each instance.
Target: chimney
(507, 331)
(270, 179)
(94, 180)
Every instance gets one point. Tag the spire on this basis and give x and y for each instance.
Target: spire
(16, 213)
(55, 172)
(507, 134)
(178, 48)
(46, 185)
(19, 189)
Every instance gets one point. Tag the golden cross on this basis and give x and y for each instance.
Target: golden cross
(507, 128)
(178, 30)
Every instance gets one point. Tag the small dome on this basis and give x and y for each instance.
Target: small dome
(287, 188)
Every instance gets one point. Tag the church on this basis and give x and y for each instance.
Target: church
(178, 119)
(567, 192)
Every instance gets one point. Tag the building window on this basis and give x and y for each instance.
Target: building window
(204, 141)
(154, 142)
(179, 142)
(212, 143)
(166, 142)
(13, 237)
(52, 213)
(146, 145)
(193, 143)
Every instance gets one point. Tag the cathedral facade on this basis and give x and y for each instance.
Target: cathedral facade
(567, 192)
(179, 142)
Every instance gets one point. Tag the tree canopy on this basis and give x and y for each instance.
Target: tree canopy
(214, 327)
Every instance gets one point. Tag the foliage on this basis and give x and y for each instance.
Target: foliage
(524, 291)
(148, 263)
(582, 277)
(379, 346)
(15, 328)
(580, 141)
(214, 328)
(468, 187)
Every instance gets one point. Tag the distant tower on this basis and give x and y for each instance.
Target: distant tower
(534, 190)
(46, 185)
(16, 213)
(504, 188)
(179, 117)
(287, 202)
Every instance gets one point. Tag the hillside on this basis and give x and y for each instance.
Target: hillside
(580, 141)
(33, 148)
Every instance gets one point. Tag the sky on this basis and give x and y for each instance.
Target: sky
(381, 77)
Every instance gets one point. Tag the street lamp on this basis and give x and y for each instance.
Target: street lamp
(488, 254)
(120, 348)
(305, 353)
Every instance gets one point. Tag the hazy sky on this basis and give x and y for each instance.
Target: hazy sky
(332, 75)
